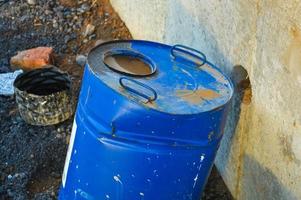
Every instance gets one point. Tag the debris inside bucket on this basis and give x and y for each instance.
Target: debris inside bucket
(40, 33)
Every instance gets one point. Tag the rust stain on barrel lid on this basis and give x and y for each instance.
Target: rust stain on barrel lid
(215, 73)
(197, 96)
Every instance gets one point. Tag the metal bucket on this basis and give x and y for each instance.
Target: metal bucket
(145, 133)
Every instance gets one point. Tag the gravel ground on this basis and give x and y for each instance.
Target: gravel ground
(70, 30)
(32, 157)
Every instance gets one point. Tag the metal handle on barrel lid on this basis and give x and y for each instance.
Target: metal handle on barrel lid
(190, 51)
(153, 98)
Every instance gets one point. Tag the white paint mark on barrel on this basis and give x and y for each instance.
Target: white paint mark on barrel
(70, 148)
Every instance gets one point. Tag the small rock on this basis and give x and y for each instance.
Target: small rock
(85, 7)
(67, 38)
(60, 15)
(93, 36)
(81, 60)
(31, 2)
(67, 139)
(48, 12)
(33, 58)
(67, 13)
(60, 8)
(55, 25)
(90, 28)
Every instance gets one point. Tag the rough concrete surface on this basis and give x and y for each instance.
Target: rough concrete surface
(260, 155)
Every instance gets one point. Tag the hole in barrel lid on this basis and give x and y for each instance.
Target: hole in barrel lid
(129, 63)
(43, 81)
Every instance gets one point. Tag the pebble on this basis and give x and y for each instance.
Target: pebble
(48, 12)
(85, 7)
(31, 2)
(60, 14)
(81, 60)
(92, 36)
(90, 28)
(67, 37)
(67, 139)
(55, 25)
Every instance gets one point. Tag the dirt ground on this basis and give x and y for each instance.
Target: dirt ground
(32, 157)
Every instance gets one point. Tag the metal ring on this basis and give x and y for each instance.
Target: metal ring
(121, 82)
(189, 51)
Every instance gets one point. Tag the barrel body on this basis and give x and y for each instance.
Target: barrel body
(120, 149)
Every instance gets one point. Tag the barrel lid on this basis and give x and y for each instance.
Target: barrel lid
(171, 79)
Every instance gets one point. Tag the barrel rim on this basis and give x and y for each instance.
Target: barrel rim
(217, 107)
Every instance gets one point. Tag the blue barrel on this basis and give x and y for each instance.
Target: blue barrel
(149, 121)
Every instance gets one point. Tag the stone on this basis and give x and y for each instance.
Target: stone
(32, 58)
(48, 12)
(31, 2)
(81, 60)
(67, 38)
(90, 28)
(92, 36)
(55, 25)
(85, 7)
(67, 139)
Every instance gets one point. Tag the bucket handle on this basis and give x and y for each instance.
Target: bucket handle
(189, 51)
(152, 98)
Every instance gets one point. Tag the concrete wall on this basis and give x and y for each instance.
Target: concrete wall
(260, 156)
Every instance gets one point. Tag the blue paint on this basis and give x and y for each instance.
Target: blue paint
(130, 147)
